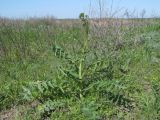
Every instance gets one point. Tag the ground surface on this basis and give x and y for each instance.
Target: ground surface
(125, 84)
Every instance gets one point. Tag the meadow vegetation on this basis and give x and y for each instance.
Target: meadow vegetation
(86, 69)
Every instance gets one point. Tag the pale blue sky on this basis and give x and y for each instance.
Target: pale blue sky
(69, 8)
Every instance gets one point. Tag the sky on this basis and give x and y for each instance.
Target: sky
(71, 8)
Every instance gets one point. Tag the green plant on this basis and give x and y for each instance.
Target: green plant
(72, 72)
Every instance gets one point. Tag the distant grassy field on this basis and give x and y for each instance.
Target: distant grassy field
(82, 69)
